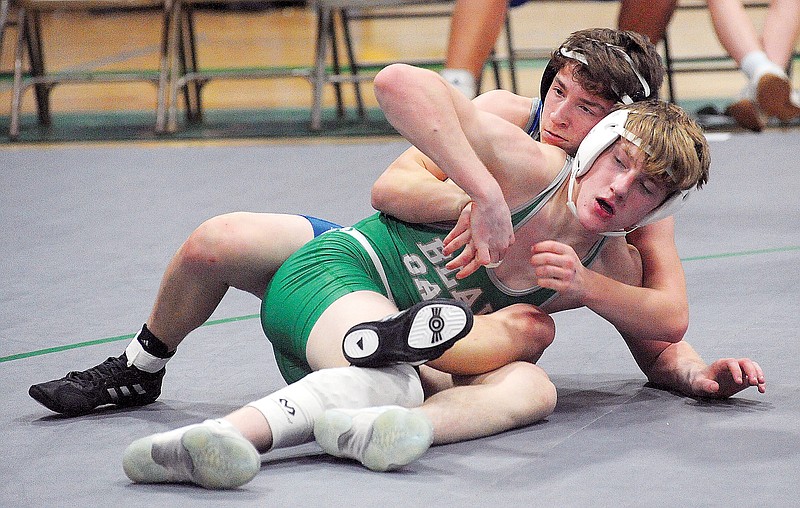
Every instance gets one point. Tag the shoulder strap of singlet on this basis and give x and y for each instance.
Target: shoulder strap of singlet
(534, 121)
(590, 256)
(522, 214)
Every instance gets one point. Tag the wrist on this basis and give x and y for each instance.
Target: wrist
(487, 193)
(592, 294)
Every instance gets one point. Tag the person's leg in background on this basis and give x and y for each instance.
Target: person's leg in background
(647, 17)
(474, 29)
(763, 59)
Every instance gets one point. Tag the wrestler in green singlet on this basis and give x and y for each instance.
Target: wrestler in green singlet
(399, 260)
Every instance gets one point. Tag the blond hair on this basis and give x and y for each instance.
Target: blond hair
(675, 147)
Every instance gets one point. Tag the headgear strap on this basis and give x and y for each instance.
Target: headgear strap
(624, 97)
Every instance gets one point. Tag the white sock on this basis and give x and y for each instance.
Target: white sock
(462, 79)
(755, 64)
(292, 411)
(176, 434)
(381, 438)
(143, 360)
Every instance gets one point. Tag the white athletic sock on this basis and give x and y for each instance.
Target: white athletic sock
(143, 360)
(462, 79)
(755, 64)
(212, 454)
(381, 438)
(292, 411)
(176, 434)
(753, 61)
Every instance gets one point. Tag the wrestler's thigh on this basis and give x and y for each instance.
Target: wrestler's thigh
(250, 247)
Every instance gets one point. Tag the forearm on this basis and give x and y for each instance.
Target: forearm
(411, 191)
(641, 312)
(669, 365)
(414, 189)
(659, 309)
(436, 119)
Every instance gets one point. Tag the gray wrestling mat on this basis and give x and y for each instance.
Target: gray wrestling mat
(87, 232)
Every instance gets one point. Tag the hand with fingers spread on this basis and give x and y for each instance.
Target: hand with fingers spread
(726, 377)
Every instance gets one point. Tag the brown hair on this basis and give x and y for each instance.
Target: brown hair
(607, 72)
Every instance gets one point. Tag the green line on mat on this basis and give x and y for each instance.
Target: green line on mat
(743, 253)
(110, 339)
(66, 347)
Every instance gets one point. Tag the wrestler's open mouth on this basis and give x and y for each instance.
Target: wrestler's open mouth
(605, 206)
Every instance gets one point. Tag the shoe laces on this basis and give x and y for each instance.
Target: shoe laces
(115, 368)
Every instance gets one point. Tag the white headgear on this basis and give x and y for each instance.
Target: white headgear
(602, 136)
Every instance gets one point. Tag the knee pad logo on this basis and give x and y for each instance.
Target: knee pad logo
(287, 407)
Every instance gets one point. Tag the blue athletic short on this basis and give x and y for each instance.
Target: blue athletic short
(320, 225)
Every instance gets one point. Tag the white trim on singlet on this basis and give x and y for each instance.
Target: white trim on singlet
(591, 255)
(534, 124)
(376, 262)
(545, 195)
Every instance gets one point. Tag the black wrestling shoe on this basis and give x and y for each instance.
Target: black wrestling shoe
(111, 382)
(416, 335)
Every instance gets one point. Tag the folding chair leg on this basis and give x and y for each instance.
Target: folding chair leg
(512, 59)
(670, 70)
(193, 90)
(16, 95)
(163, 77)
(495, 62)
(318, 78)
(33, 35)
(351, 57)
(5, 7)
(174, 60)
(337, 69)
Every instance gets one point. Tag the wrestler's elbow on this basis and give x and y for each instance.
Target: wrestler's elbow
(391, 81)
(679, 324)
